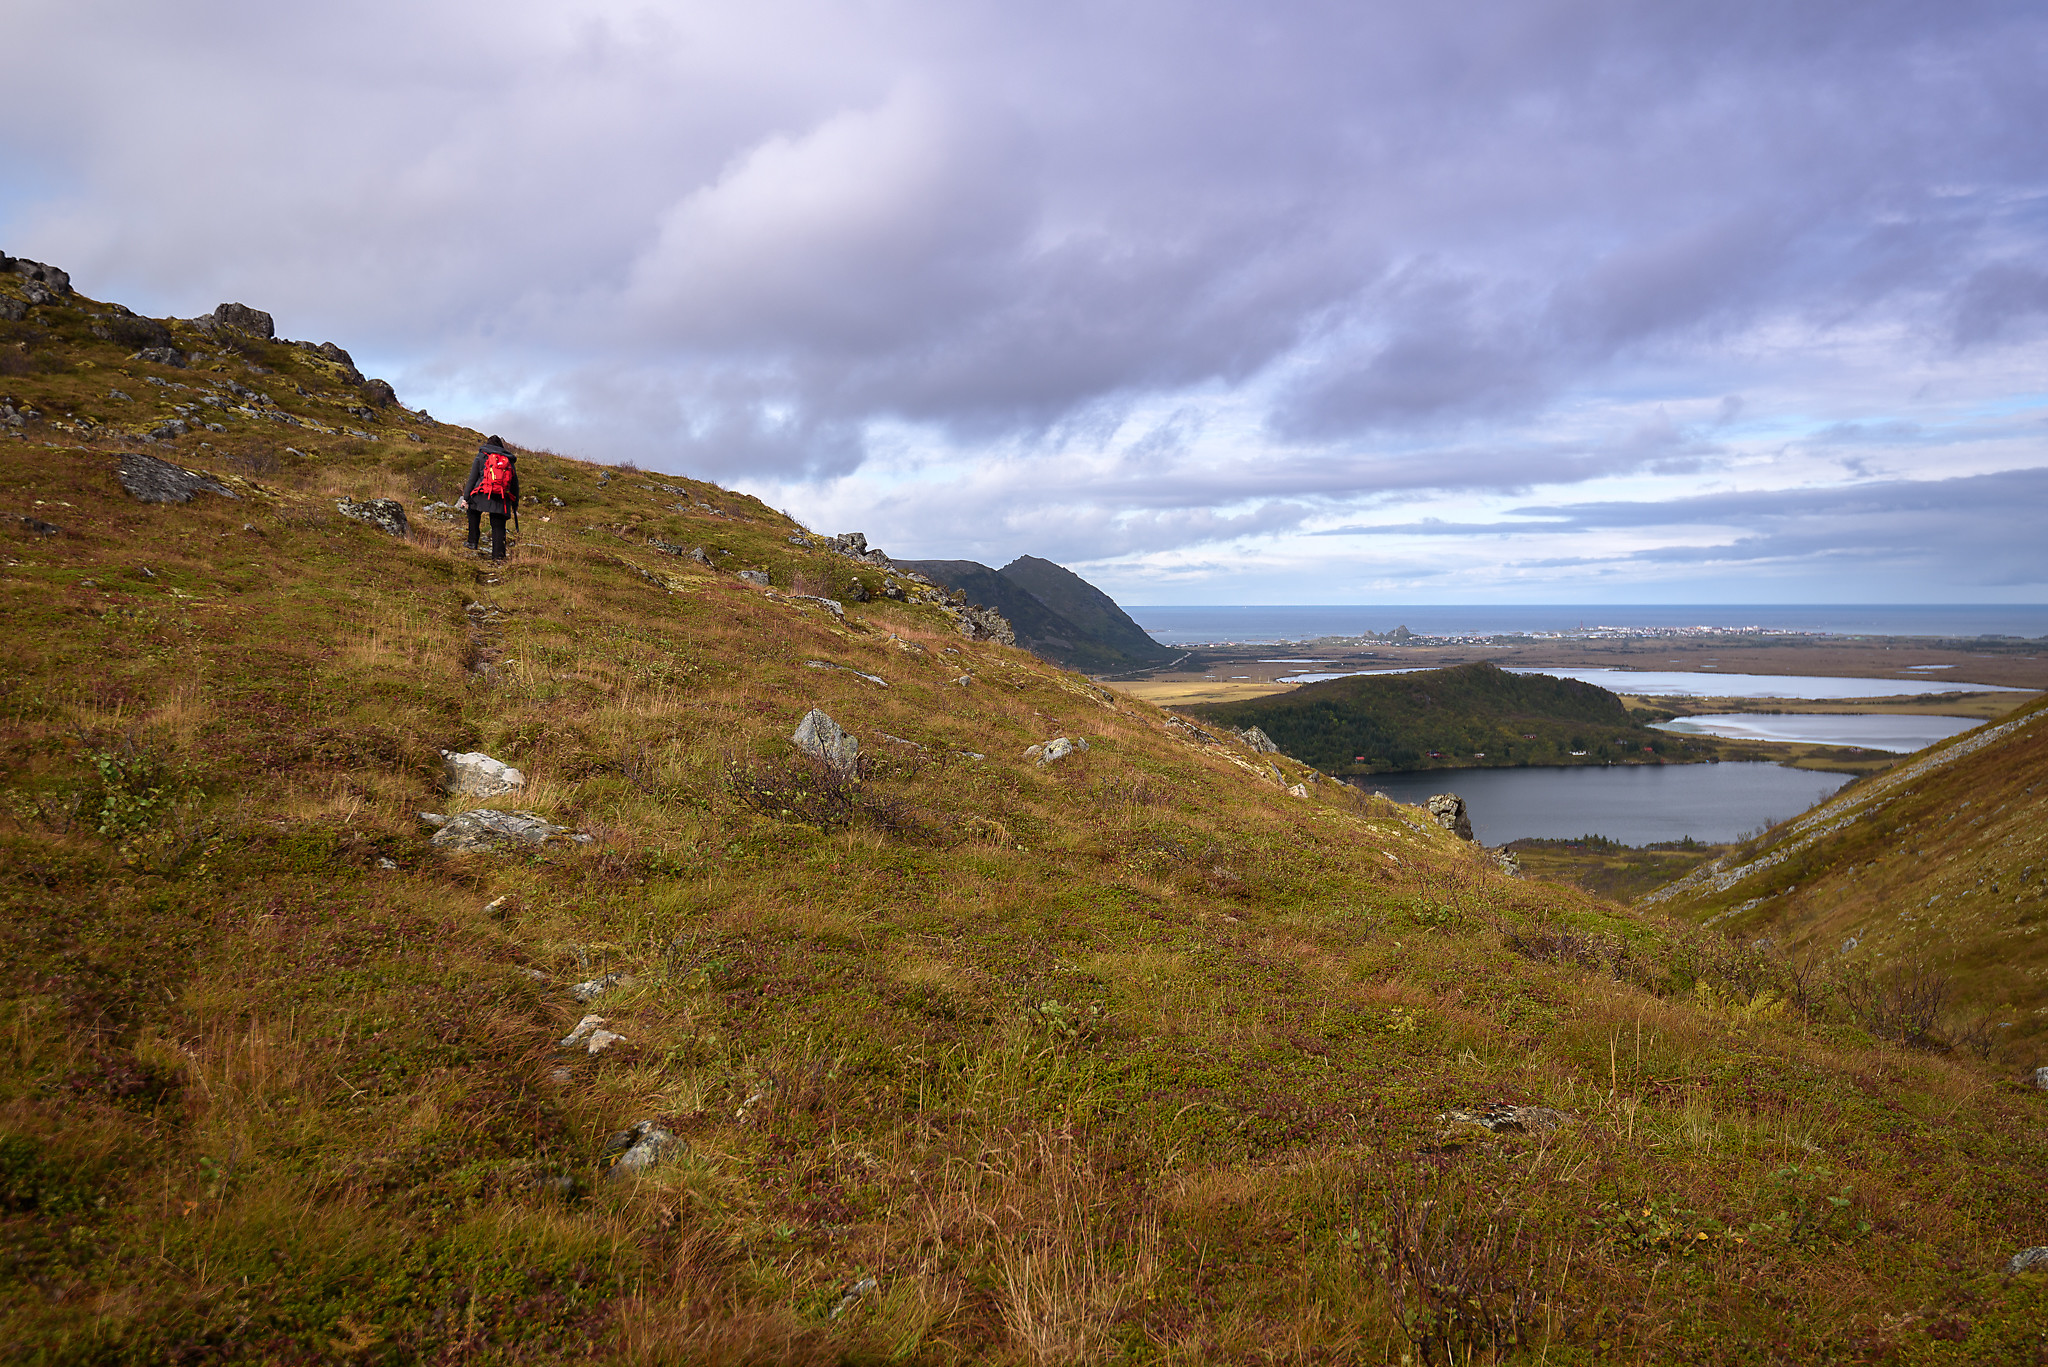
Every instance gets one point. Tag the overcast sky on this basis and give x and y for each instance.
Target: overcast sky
(1219, 301)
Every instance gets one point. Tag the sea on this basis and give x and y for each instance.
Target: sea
(1281, 623)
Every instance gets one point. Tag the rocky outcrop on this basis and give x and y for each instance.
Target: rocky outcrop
(135, 333)
(240, 318)
(471, 773)
(822, 738)
(1448, 811)
(854, 544)
(2027, 1259)
(380, 393)
(1258, 740)
(52, 280)
(385, 514)
(158, 481)
(983, 624)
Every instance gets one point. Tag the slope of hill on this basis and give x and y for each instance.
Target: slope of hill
(1929, 877)
(1467, 716)
(938, 1054)
(1058, 615)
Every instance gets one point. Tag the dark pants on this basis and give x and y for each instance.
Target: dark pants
(497, 532)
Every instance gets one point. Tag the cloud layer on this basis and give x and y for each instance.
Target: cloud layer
(1161, 291)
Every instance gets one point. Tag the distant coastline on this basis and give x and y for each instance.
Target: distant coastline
(1278, 624)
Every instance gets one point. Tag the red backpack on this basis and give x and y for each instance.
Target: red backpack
(497, 480)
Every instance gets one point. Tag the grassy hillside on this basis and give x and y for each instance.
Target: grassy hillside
(1133, 1056)
(1469, 716)
(1930, 877)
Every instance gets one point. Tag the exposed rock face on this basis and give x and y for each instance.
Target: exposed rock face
(242, 318)
(2041, 1078)
(475, 774)
(162, 355)
(385, 514)
(2028, 1258)
(1258, 740)
(12, 310)
(818, 735)
(1448, 810)
(380, 393)
(486, 829)
(640, 1146)
(758, 578)
(158, 481)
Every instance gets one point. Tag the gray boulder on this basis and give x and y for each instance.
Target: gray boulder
(758, 578)
(380, 393)
(1448, 811)
(242, 318)
(2041, 1078)
(487, 829)
(13, 310)
(162, 355)
(475, 774)
(819, 736)
(2029, 1258)
(158, 481)
(385, 514)
(640, 1146)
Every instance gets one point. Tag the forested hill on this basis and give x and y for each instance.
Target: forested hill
(1468, 716)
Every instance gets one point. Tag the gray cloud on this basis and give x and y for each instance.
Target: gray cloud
(1364, 250)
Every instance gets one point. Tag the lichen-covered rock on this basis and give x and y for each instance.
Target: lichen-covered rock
(158, 481)
(1500, 1118)
(1054, 750)
(640, 1146)
(758, 578)
(2041, 1078)
(488, 829)
(2029, 1258)
(591, 1036)
(819, 736)
(1448, 811)
(591, 990)
(475, 774)
(385, 514)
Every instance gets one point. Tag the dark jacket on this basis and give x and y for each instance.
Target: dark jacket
(476, 474)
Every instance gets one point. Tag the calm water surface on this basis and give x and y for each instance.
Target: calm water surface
(1635, 804)
(1684, 683)
(1898, 735)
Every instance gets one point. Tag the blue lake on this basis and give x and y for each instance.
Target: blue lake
(1897, 735)
(1636, 804)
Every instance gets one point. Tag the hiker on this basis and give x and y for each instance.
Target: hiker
(493, 487)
